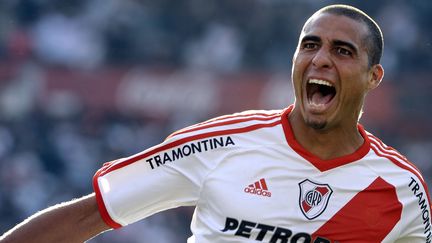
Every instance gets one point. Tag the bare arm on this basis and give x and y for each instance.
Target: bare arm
(74, 221)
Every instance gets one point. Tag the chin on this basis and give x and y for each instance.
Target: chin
(317, 125)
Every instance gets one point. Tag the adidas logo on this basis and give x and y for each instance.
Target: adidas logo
(258, 188)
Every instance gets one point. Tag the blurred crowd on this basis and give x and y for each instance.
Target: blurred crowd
(49, 150)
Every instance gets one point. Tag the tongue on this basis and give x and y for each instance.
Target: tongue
(319, 98)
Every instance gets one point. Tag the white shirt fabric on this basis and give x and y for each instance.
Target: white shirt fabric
(251, 181)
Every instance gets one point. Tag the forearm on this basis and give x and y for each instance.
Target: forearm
(74, 221)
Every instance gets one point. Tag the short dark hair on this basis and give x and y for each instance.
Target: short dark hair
(374, 41)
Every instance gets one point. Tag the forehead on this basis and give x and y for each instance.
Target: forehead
(336, 27)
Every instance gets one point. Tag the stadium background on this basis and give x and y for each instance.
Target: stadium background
(87, 81)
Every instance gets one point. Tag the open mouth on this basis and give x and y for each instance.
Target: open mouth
(320, 93)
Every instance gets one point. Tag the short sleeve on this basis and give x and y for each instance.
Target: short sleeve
(416, 212)
(165, 176)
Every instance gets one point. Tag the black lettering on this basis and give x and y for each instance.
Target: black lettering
(245, 228)
(263, 231)
(211, 144)
(321, 240)
(158, 160)
(150, 162)
(415, 188)
(422, 204)
(281, 234)
(230, 224)
(177, 155)
(196, 147)
(306, 238)
(425, 215)
(205, 144)
(412, 181)
(420, 196)
(313, 198)
(166, 158)
(218, 142)
(427, 225)
(229, 141)
(186, 150)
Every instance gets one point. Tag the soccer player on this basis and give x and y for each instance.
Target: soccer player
(307, 173)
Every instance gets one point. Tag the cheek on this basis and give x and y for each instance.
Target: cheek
(298, 69)
(355, 91)
(296, 76)
(358, 79)
(355, 85)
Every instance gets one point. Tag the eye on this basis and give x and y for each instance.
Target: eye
(309, 45)
(343, 51)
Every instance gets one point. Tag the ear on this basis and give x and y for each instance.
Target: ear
(376, 75)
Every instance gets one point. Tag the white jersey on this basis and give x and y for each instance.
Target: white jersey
(251, 181)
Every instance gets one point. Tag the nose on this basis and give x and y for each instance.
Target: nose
(322, 59)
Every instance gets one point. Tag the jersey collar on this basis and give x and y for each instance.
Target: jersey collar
(320, 164)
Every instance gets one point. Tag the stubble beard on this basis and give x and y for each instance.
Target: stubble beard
(317, 125)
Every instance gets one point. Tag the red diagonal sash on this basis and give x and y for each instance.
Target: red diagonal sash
(367, 217)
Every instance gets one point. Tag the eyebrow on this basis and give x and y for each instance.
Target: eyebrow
(347, 44)
(315, 38)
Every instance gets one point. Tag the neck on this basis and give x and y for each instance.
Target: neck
(327, 143)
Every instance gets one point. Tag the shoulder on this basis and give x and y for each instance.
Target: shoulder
(230, 124)
(412, 190)
(382, 150)
(402, 172)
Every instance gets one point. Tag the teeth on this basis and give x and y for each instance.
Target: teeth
(321, 82)
(315, 104)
